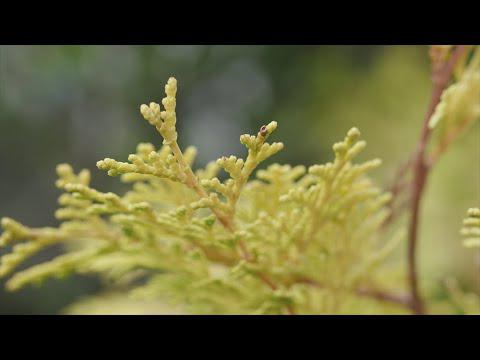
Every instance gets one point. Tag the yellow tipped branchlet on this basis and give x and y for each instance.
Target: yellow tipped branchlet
(66, 175)
(287, 241)
(164, 121)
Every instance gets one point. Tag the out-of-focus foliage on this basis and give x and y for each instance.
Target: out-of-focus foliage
(466, 302)
(290, 241)
(460, 104)
(118, 303)
(471, 228)
(463, 302)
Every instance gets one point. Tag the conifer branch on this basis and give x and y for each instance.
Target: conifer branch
(290, 241)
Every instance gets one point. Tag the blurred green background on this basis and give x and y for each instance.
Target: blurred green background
(79, 104)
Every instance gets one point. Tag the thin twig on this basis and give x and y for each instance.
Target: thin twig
(373, 293)
(399, 299)
(441, 74)
(273, 287)
(193, 183)
(446, 143)
(398, 184)
(400, 174)
(396, 210)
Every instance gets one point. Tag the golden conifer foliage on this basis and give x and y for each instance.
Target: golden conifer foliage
(285, 240)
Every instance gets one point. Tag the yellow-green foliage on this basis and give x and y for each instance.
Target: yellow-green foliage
(289, 240)
(459, 107)
(471, 228)
(466, 302)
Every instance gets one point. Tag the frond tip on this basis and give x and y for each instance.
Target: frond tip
(165, 121)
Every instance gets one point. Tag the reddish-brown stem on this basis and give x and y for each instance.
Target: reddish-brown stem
(399, 299)
(441, 75)
(399, 183)
(376, 294)
(271, 285)
(397, 209)
(399, 178)
(290, 310)
(442, 147)
(267, 281)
